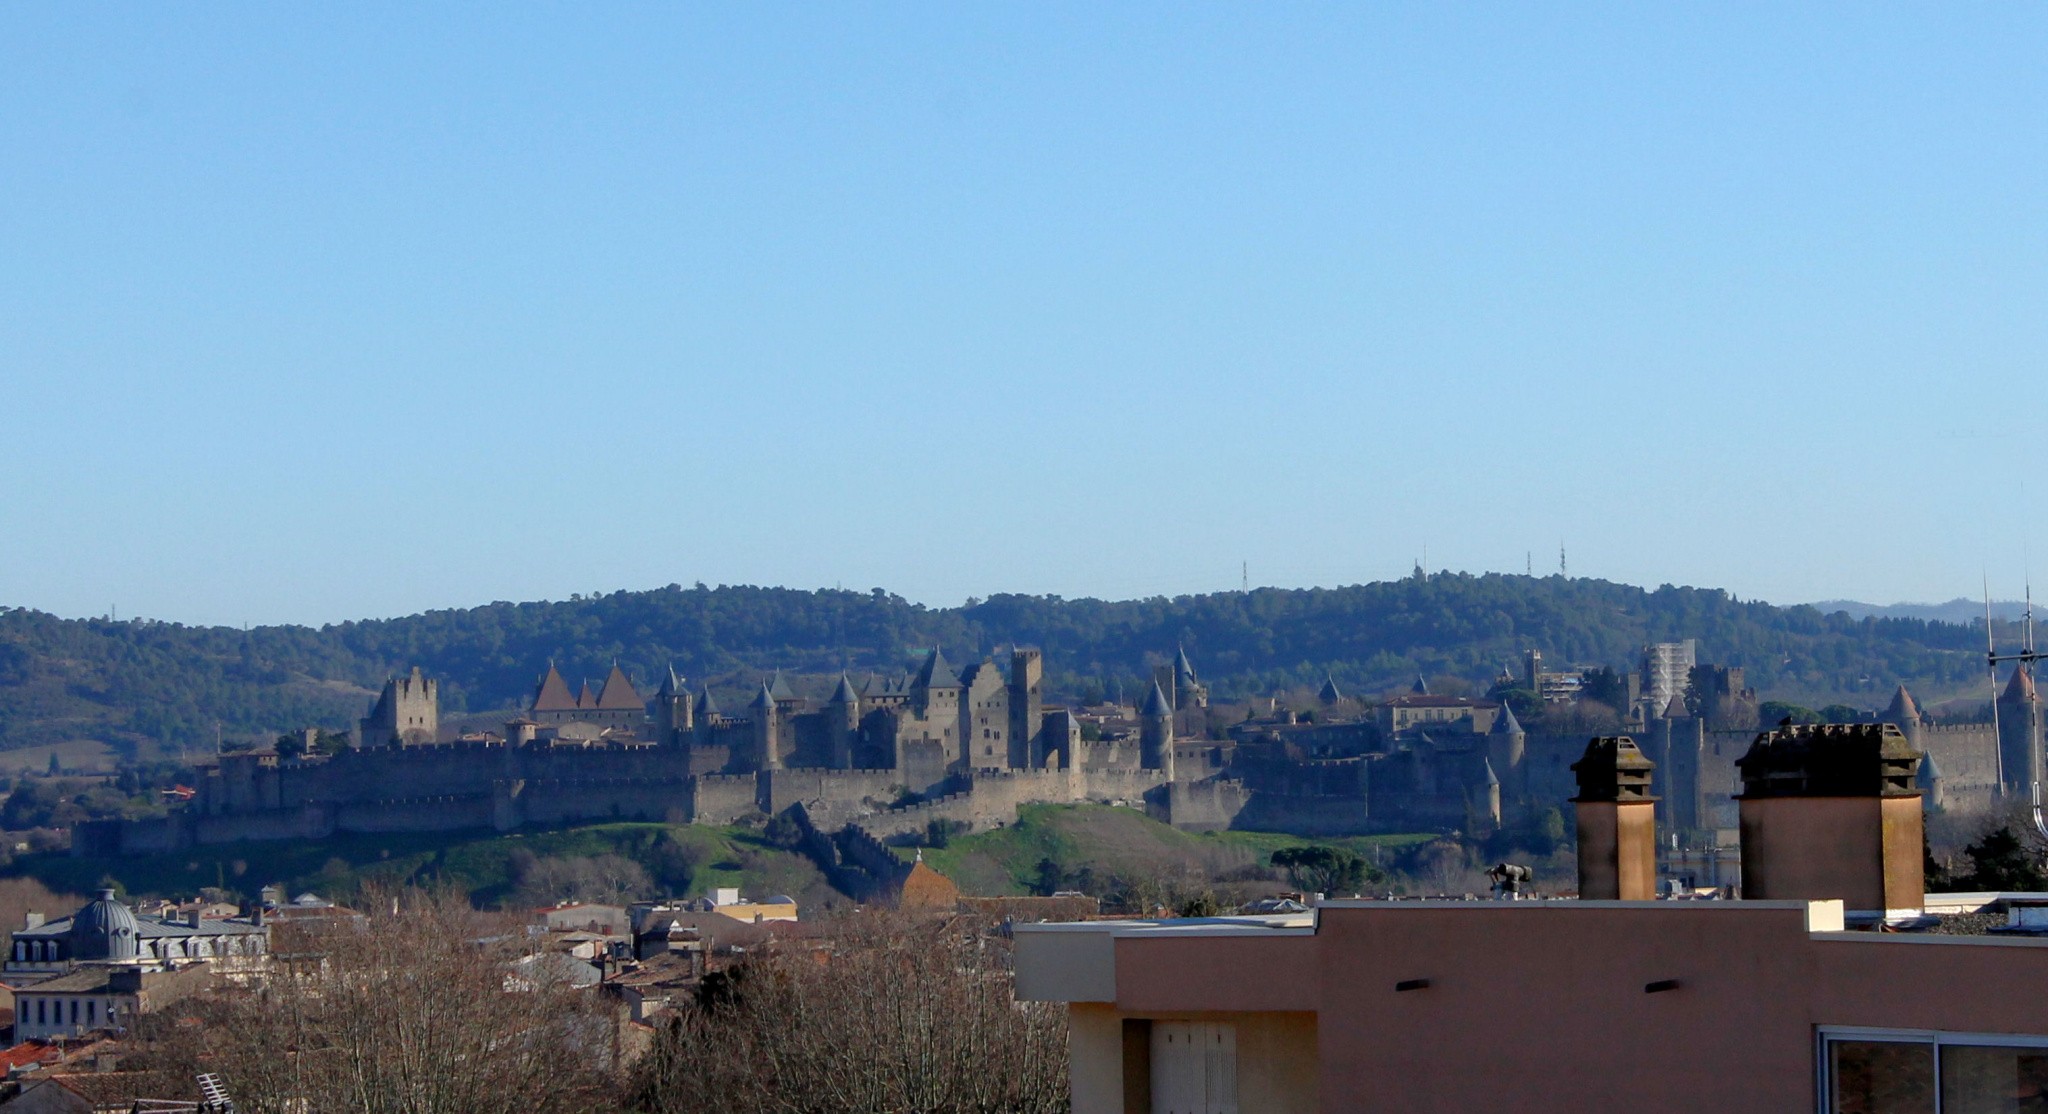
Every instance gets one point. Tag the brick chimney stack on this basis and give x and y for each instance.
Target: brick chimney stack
(1617, 822)
(1834, 811)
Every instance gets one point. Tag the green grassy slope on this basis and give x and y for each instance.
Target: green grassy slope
(477, 862)
(1112, 841)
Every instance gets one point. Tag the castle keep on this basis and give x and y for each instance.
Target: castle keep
(408, 711)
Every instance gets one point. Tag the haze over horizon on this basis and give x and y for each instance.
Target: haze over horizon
(320, 315)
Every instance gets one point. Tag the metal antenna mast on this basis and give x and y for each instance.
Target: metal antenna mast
(2024, 659)
(213, 1099)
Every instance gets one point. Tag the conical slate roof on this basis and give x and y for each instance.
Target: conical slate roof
(552, 694)
(1157, 704)
(764, 699)
(1183, 669)
(1505, 723)
(779, 688)
(707, 705)
(1928, 774)
(2020, 689)
(1490, 778)
(1675, 708)
(1902, 709)
(1329, 693)
(1420, 687)
(586, 698)
(671, 684)
(619, 693)
(937, 672)
(843, 694)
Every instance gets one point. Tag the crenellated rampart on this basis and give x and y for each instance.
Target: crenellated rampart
(493, 785)
(832, 798)
(958, 807)
(440, 813)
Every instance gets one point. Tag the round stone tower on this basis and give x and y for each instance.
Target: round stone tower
(1155, 732)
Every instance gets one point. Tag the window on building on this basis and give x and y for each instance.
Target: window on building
(1890, 1072)
(42, 1011)
(92, 1012)
(1194, 1067)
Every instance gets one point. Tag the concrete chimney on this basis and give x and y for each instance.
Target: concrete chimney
(1834, 811)
(1617, 822)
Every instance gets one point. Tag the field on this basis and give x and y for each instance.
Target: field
(1119, 842)
(1050, 846)
(480, 863)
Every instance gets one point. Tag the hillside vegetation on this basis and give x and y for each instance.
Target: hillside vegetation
(1092, 847)
(623, 861)
(138, 682)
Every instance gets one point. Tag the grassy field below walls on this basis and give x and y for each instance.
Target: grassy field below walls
(480, 863)
(1122, 842)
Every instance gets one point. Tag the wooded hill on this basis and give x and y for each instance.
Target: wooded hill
(142, 680)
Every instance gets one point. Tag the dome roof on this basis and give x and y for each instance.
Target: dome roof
(104, 929)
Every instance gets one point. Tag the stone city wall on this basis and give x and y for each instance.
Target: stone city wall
(1206, 806)
(724, 798)
(449, 813)
(832, 798)
(571, 800)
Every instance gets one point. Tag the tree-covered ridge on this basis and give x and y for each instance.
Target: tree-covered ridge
(63, 678)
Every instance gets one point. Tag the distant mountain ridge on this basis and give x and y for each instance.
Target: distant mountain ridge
(1967, 612)
(141, 680)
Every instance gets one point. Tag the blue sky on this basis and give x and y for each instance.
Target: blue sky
(315, 315)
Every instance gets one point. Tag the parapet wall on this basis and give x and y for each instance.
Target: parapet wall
(864, 849)
(1966, 754)
(1301, 815)
(595, 800)
(832, 798)
(724, 798)
(956, 807)
(1209, 806)
(449, 813)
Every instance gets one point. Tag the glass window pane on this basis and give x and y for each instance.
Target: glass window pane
(1979, 1080)
(1880, 1077)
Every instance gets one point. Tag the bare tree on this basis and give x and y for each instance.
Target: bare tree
(884, 1013)
(414, 1009)
(612, 879)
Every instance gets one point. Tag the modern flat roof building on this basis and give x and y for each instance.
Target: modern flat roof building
(1846, 990)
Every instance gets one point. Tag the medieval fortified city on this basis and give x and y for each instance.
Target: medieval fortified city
(1697, 834)
(885, 757)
